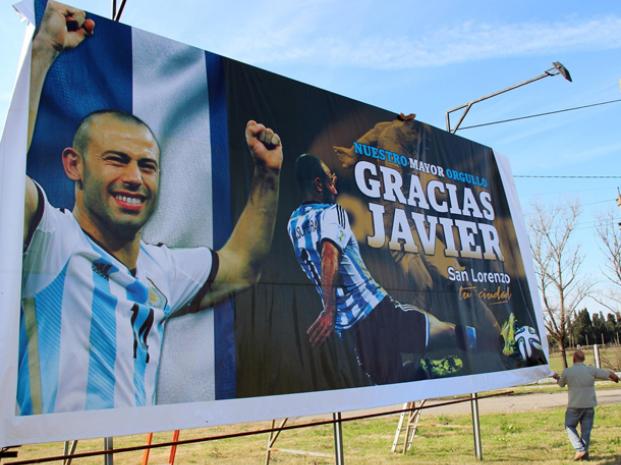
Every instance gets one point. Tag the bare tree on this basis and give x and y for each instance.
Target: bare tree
(610, 235)
(557, 266)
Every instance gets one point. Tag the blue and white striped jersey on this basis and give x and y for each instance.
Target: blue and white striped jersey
(357, 293)
(91, 330)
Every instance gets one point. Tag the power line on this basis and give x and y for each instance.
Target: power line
(598, 202)
(572, 191)
(569, 176)
(536, 115)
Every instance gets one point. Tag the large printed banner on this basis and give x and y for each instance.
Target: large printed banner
(203, 242)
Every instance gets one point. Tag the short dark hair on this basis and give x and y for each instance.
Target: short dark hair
(82, 134)
(307, 168)
(579, 356)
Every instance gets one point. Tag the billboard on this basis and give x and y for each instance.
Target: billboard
(205, 242)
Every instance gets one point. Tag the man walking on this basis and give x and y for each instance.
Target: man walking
(580, 379)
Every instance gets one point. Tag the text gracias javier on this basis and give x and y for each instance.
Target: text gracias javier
(478, 240)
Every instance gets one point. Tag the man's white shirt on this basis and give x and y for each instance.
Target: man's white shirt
(91, 330)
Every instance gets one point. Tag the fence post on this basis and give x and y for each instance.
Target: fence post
(598, 363)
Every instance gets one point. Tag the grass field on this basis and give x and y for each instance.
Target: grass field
(610, 357)
(534, 437)
(529, 437)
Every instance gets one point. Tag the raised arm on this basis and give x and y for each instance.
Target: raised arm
(560, 380)
(241, 258)
(62, 27)
(323, 326)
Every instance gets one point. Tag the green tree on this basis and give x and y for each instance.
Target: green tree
(612, 327)
(582, 328)
(618, 327)
(599, 328)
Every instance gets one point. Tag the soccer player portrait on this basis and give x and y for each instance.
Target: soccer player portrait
(352, 300)
(95, 296)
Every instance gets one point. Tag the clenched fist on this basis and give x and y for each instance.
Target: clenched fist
(63, 27)
(264, 144)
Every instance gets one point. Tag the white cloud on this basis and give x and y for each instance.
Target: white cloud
(299, 41)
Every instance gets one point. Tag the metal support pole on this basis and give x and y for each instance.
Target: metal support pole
(474, 399)
(598, 362)
(108, 446)
(270, 443)
(476, 425)
(338, 439)
(69, 449)
(271, 440)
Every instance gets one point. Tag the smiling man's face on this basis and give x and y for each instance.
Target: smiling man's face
(120, 175)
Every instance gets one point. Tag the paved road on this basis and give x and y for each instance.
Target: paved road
(497, 404)
(522, 403)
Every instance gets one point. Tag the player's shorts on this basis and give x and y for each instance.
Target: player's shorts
(387, 337)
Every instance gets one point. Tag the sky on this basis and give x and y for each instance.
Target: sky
(426, 58)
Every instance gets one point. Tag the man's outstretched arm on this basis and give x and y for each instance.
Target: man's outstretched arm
(560, 380)
(323, 326)
(62, 27)
(241, 258)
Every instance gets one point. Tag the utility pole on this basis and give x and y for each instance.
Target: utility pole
(556, 70)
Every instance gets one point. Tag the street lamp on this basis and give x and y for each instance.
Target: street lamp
(117, 12)
(556, 69)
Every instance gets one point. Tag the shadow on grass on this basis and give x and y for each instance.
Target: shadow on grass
(616, 460)
(510, 458)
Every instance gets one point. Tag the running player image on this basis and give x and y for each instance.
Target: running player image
(95, 296)
(352, 300)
